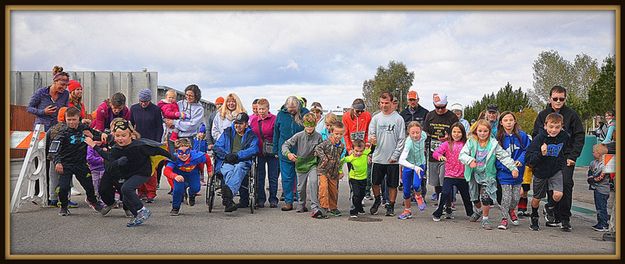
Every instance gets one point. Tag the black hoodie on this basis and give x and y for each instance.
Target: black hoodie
(546, 166)
(572, 125)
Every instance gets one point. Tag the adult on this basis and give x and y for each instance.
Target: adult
(147, 119)
(234, 150)
(458, 110)
(254, 107)
(192, 108)
(387, 131)
(75, 100)
(262, 125)
(289, 121)
(209, 137)
(109, 109)
(415, 112)
(356, 122)
(572, 149)
(317, 109)
(492, 116)
(437, 125)
(609, 127)
(231, 108)
(46, 101)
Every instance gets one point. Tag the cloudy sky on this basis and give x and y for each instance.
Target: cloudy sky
(322, 55)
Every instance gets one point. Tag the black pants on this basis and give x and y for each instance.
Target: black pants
(563, 207)
(499, 191)
(65, 182)
(357, 188)
(108, 185)
(129, 190)
(448, 192)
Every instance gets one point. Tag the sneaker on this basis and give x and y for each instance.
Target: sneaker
(449, 215)
(53, 203)
(434, 197)
(316, 214)
(353, 216)
(64, 212)
(322, 216)
(534, 225)
(554, 224)
(549, 214)
(144, 214)
(287, 207)
(70, 204)
(374, 207)
(361, 212)
(436, 218)
(390, 210)
(301, 209)
(566, 226)
(149, 200)
(97, 206)
(106, 209)
(231, 208)
(129, 214)
(273, 205)
(475, 216)
(600, 229)
(486, 224)
(405, 215)
(174, 212)
(504, 224)
(191, 200)
(134, 222)
(513, 218)
(335, 212)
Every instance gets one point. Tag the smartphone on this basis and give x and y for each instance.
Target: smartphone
(54, 146)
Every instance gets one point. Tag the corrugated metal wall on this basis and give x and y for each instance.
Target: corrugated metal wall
(97, 86)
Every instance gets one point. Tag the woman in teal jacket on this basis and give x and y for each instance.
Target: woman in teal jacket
(288, 122)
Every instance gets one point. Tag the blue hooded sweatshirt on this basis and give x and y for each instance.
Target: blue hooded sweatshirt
(516, 148)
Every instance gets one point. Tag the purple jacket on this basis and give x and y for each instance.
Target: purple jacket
(267, 124)
(95, 161)
(453, 167)
(42, 99)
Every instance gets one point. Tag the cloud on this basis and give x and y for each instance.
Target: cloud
(321, 54)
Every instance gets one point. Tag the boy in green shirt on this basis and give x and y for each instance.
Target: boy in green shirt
(358, 176)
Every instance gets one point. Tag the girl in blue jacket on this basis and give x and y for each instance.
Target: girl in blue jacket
(514, 141)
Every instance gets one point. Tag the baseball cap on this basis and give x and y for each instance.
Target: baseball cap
(439, 99)
(492, 108)
(412, 95)
(241, 118)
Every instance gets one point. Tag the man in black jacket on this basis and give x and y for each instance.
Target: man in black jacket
(572, 149)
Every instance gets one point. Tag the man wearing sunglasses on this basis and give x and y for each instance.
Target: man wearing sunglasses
(437, 125)
(572, 149)
(234, 151)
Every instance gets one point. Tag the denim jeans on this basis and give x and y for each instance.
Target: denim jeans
(289, 180)
(601, 205)
(272, 173)
(234, 174)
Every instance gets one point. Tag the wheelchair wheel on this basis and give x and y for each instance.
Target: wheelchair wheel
(210, 193)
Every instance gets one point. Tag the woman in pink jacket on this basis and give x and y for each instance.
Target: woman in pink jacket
(448, 152)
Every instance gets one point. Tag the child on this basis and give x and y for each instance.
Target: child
(185, 171)
(358, 175)
(413, 160)
(448, 152)
(601, 187)
(201, 145)
(130, 158)
(96, 165)
(53, 188)
(170, 110)
(514, 141)
(329, 154)
(305, 163)
(546, 158)
(71, 160)
(480, 153)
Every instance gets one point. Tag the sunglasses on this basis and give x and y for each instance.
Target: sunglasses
(360, 111)
(411, 99)
(561, 99)
(440, 107)
(186, 152)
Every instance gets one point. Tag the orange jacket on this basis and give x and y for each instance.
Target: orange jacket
(361, 123)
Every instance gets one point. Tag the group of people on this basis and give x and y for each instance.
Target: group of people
(491, 162)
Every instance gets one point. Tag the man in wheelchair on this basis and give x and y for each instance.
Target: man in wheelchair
(234, 152)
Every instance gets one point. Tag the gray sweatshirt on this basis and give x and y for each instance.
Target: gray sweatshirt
(389, 131)
(305, 144)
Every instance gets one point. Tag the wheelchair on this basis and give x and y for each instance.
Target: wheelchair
(217, 182)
